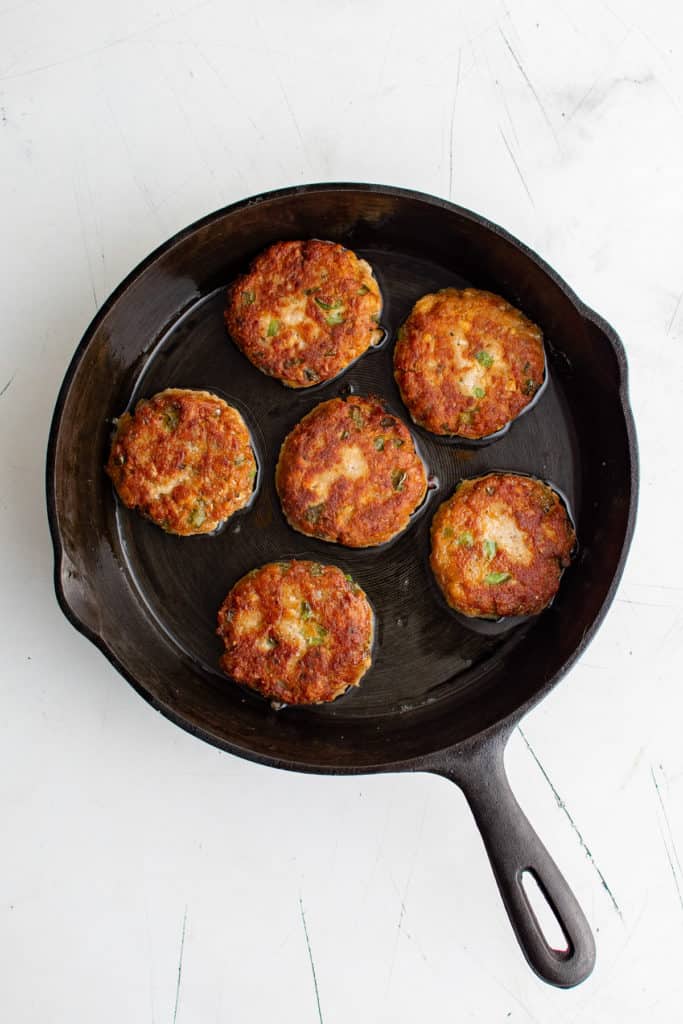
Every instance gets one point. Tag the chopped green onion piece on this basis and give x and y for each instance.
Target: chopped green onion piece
(465, 540)
(336, 317)
(363, 290)
(284, 567)
(327, 305)
(494, 578)
(529, 386)
(313, 513)
(273, 328)
(311, 374)
(305, 610)
(379, 444)
(478, 392)
(398, 478)
(485, 358)
(317, 569)
(248, 297)
(171, 417)
(386, 421)
(398, 442)
(356, 416)
(448, 532)
(198, 514)
(271, 642)
(319, 637)
(490, 548)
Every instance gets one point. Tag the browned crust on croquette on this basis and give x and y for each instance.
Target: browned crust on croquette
(467, 362)
(297, 632)
(522, 575)
(304, 311)
(184, 460)
(348, 472)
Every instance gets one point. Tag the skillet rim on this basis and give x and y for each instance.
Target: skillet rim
(425, 761)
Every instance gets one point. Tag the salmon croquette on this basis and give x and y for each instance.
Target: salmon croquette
(184, 460)
(467, 362)
(297, 632)
(500, 545)
(348, 472)
(305, 311)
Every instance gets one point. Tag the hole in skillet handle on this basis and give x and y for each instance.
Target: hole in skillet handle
(542, 910)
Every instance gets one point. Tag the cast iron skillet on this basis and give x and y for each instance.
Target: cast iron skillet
(442, 695)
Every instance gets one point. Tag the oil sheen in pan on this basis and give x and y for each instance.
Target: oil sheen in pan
(182, 581)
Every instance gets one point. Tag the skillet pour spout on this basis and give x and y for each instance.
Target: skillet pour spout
(441, 695)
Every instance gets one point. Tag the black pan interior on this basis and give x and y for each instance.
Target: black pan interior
(151, 599)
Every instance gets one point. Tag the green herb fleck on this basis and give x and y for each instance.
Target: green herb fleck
(317, 569)
(271, 642)
(379, 444)
(310, 374)
(448, 532)
(398, 478)
(252, 473)
(327, 305)
(465, 540)
(335, 318)
(490, 548)
(248, 297)
(363, 290)
(313, 513)
(198, 514)
(171, 415)
(305, 610)
(485, 358)
(478, 392)
(397, 442)
(284, 567)
(318, 637)
(273, 328)
(494, 578)
(356, 416)
(344, 435)
(312, 291)
(530, 386)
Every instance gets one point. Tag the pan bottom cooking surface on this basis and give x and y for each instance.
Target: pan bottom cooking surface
(423, 652)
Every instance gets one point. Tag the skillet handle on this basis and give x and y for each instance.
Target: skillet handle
(513, 848)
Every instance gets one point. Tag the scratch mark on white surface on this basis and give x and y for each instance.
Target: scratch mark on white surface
(180, 967)
(528, 81)
(675, 314)
(404, 896)
(142, 188)
(670, 846)
(106, 46)
(517, 167)
(563, 807)
(85, 248)
(310, 957)
(290, 108)
(450, 142)
(7, 385)
(640, 604)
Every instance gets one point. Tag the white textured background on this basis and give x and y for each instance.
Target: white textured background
(146, 877)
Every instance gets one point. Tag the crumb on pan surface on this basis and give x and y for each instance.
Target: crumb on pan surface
(304, 311)
(467, 362)
(298, 632)
(349, 472)
(184, 460)
(500, 545)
